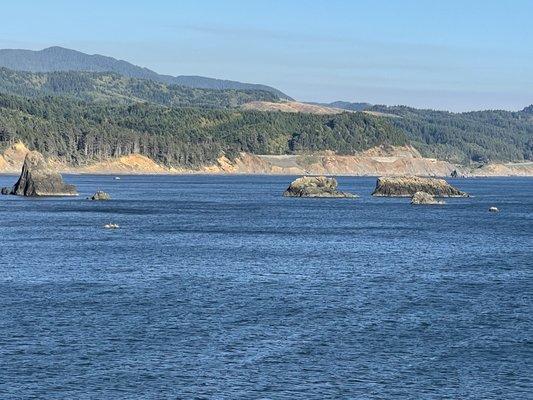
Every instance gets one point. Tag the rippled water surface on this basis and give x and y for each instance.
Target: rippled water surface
(218, 287)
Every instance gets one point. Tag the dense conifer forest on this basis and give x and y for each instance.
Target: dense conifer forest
(78, 132)
(81, 117)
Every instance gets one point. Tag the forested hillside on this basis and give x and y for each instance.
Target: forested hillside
(78, 132)
(91, 86)
(83, 116)
(59, 59)
(479, 136)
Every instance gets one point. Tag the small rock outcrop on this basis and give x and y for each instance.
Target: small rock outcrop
(424, 198)
(315, 186)
(407, 186)
(37, 179)
(100, 196)
(494, 209)
(6, 190)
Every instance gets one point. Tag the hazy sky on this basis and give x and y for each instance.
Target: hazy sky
(455, 55)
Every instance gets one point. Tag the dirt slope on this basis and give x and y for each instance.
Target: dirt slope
(291, 107)
(378, 161)
(297, 107)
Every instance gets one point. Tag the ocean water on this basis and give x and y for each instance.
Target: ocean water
(216, 287)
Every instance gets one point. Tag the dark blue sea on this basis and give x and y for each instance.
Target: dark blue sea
(217, 287)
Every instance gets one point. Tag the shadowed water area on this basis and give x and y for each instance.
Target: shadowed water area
(218, 287)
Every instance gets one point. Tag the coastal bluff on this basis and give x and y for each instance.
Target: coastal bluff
(315, 186)
(408, 186)
(37, 179)
(377, 161)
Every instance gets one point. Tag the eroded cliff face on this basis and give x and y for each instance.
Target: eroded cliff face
(377, 161)
(509, 169)
(12, 159)
(131, 164)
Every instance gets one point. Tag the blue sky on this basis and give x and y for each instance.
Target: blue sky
(454, 55)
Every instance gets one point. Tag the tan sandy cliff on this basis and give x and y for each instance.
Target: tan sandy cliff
(13, 157)
(130, 164)
(377, 161)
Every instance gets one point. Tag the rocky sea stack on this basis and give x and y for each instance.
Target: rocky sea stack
(424, 198)
(100, 196)
(315, 186)
(407, 186)
(37, 179)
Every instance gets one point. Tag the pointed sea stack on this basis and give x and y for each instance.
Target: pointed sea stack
(407, 186)
(315, 186)
(37, 179)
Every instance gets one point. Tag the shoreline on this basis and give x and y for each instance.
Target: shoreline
(225, 174)
(376, 161)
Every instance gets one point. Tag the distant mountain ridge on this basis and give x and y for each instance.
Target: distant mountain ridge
(82, 115)
(115, 88)
(56, 59)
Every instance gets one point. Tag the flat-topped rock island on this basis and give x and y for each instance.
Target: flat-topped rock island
(315, 186)
(408, 186)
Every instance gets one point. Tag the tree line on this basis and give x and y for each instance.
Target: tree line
(79, 132)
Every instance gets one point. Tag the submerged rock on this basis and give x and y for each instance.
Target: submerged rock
(37, 179)
(315, 186)
(100, 196)
(407, 186)
(424, 198)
